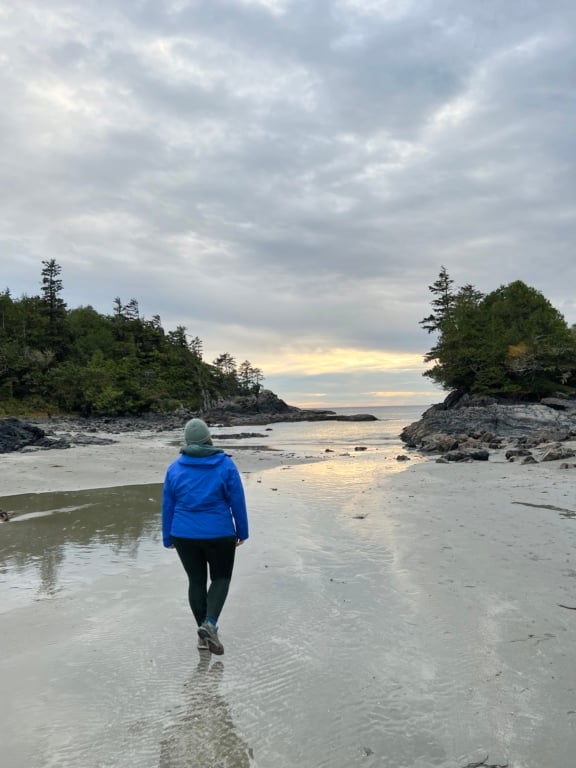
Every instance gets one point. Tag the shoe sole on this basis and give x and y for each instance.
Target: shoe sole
(216, 648)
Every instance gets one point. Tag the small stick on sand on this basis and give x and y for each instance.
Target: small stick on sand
(484, 764)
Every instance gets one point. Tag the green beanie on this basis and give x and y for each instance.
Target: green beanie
(196, 432)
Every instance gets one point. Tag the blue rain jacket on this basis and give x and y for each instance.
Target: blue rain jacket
(203, 498)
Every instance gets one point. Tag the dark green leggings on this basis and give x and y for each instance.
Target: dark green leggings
(200, 557)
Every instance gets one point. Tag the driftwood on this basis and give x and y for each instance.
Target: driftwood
(484, 764)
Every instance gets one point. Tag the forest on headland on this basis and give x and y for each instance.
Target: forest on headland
(510, 342)
(57, 360)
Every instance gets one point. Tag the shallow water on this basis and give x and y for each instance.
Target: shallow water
(347, 642)
(58, 542)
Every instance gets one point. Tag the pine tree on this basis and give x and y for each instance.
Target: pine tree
(53, 306)
(442, 304)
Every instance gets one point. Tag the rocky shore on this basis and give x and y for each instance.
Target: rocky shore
(66, 431)
(463, 428)
(467, 428)
(268, 408)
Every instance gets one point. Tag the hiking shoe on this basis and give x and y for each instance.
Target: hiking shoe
(203, 644)
(208, 632)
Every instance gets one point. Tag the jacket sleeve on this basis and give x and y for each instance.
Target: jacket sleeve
(167, 511)
(237, 501)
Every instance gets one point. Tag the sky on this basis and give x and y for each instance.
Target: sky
(286, 178)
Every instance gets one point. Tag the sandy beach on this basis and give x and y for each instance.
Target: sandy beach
(409, 619)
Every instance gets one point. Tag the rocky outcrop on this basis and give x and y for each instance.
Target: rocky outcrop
(67, 431)
(465, 423)
(17, 435)
(268, 408)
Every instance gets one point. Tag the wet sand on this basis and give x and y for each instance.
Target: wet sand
(406, 619)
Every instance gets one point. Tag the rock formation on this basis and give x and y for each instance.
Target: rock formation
(267, 408)
(465, 427)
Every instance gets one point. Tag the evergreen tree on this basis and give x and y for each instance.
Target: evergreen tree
(510, 341)
(442, 303)
(53, 306)
(196, 347)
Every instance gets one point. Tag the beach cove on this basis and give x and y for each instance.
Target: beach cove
(383, 613)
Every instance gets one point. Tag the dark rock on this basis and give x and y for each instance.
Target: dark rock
(402, 457)
(479, 454)
(436, 443)
(360, 448)
(458, 456)
(515, 452)
(529, 460)
(16, 434)
(560, 403)
(266, 402)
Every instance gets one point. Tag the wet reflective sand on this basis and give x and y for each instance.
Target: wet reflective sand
(368, 624)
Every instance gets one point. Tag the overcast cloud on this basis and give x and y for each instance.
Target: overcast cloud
(285, 178)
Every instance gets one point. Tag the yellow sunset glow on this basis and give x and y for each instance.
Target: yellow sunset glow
(313, 362)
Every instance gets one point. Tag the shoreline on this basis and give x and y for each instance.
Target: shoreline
(141, 457)
(135, 458)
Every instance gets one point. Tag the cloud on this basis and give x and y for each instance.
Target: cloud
(285, 179)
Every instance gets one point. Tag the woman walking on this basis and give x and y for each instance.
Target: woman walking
(204, 518)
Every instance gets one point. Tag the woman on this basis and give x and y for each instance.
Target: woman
(204, 518)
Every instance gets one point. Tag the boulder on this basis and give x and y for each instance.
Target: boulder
(436, 443)
(468, 455)
(16, 434)
(514, 453)
(458, 456)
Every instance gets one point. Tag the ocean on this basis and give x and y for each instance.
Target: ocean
(334, 435)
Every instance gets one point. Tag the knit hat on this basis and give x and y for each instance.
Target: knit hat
(196, 432)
